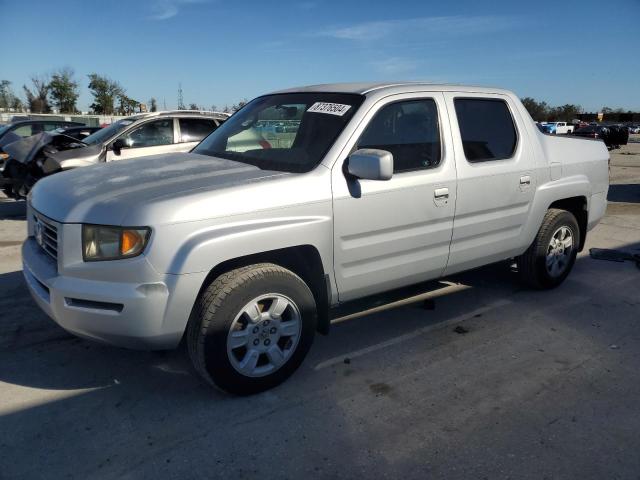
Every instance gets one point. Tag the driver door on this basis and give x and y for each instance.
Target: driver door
(394, 233)
(151, 138)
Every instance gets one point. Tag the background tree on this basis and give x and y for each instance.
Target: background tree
(104, 91)
(17, 105)
(193, 106)
(214, 108)
(542, 112)
(239, 105)
(153, 105)
(8, 100)
(63, 90)
(38, 95)
(568, 112)
(538, 110)
(127, 105)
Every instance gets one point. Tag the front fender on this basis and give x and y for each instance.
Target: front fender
(200, 246)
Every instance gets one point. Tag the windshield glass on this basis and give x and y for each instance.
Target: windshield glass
(4, 129)
(288, 132)
(107, 132)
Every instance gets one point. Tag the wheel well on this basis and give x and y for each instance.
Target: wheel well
(303, 260)
(577, 206)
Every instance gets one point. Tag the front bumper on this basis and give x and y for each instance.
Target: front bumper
(149, 315)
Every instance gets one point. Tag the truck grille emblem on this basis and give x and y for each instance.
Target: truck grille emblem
(37, 231)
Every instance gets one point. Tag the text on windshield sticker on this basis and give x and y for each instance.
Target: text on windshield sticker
(330, 108)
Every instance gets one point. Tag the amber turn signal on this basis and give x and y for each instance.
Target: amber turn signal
(131, 242)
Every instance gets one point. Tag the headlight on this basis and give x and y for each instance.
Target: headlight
(113, 243)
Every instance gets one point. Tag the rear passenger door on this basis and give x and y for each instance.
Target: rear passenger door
(393, 233)
(495, 179)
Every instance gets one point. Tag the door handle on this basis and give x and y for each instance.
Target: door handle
(441, 193)
(525, 180)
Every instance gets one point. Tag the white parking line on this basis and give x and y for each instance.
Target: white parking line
(410, 335)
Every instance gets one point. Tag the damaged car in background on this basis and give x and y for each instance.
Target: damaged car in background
(19, 129)
(32, 158)
(149, 134)
(79, 133)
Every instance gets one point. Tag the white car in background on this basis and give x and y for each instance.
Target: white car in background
(558, 128)
(137, 136)
(142, 135)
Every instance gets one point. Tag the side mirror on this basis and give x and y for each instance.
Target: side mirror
(118, 145)
(371, 164)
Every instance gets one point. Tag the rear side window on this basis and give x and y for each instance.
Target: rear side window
(486, 128)
(410, 131)
(195, 129)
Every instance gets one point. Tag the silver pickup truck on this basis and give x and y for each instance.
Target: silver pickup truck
(303, 200)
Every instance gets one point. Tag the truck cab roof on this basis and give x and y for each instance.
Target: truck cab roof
(366, 88)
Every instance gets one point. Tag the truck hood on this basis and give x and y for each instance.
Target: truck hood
(108, 193)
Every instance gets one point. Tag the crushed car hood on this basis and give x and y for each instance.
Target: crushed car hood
(107, 193)
(8, 138)
(26, 149)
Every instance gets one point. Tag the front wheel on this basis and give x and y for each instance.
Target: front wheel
(550, 258)
(251, 328)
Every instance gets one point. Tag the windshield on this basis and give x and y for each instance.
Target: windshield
(288, 132)
(107, 132)
(4, 129)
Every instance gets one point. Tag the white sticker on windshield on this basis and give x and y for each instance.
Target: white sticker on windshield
(330, 108)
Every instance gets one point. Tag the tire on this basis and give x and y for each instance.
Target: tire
(546, 263)
(230, 301)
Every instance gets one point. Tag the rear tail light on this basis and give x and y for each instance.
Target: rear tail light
(264, 144)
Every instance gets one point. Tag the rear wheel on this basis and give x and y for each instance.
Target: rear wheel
(252, 328)
(550, 258)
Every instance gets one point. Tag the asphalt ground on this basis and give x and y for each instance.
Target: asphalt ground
(488, 380)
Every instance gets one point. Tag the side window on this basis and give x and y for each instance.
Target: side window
(50, 127)
(24, 131)
(410, 131)
(486, 128)
(150, 134)
(195, 129)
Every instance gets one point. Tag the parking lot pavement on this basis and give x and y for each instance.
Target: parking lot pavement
(541, 385)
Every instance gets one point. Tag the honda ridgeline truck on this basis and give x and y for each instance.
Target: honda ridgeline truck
(350, 190)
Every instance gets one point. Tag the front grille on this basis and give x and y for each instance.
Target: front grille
(46, 234)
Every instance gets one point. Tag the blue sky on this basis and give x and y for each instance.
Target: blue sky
(564, 51)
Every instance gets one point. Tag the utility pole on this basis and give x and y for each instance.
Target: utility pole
(180, 99)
